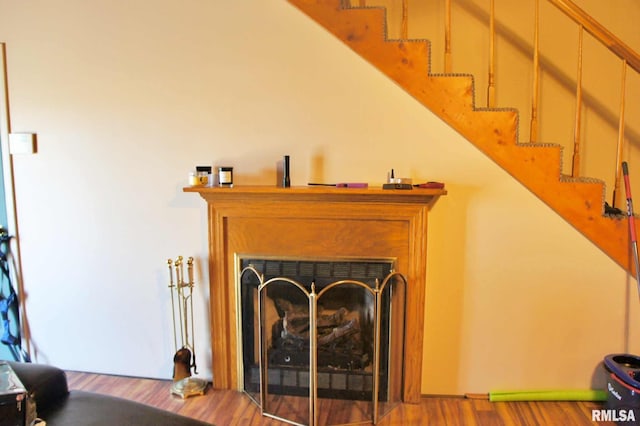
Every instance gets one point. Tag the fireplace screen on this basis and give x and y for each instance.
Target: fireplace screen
(321, 340)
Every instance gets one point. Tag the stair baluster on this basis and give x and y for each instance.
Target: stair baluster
(575, 169)
(533, 132)
(491, 91)
(620, 145)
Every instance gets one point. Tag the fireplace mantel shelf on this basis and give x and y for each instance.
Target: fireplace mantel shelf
(320, 193)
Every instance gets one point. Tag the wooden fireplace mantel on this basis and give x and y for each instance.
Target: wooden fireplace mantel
(322, 222)
(319, 194)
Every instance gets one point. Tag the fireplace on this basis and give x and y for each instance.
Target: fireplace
(345, 325)
(320, 224)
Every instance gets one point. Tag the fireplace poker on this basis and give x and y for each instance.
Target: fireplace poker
(190, 285)
(173, 308)
(178, 269)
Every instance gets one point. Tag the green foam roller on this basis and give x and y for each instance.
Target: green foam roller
(549, 395)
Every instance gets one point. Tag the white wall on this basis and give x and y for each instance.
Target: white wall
(127, 96)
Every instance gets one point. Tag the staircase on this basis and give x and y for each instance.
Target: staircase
(580, 201)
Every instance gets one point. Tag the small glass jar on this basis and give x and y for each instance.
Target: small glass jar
(202, 174)
(193, 179)
(225, 176)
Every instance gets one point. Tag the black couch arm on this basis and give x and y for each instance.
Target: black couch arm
(59, 407)
(46, 384)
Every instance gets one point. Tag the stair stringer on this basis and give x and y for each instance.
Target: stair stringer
(494, 131)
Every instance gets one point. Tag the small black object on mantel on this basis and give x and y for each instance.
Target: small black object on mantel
(397, 186)
(286, 179)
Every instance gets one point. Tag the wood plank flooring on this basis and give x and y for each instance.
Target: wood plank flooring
(230, 408)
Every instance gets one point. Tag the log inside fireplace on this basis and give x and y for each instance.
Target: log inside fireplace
(344, 328)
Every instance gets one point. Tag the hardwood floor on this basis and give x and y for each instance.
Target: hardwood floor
(230, 408)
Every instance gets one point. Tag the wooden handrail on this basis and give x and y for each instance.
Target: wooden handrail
(598, 31)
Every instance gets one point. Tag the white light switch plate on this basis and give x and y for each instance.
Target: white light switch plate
(22, 143)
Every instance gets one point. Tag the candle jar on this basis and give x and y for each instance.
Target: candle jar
(202, 174)
(225, 176)
(193, 179)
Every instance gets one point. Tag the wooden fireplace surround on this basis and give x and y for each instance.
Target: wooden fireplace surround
(315, 222)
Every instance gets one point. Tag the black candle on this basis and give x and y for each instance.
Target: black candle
(286, 180)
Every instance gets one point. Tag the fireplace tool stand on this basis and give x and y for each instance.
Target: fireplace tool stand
(184, 385)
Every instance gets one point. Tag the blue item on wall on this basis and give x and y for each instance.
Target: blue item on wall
(9, 306)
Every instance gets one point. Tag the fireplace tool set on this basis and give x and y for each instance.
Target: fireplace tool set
(182, 314)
